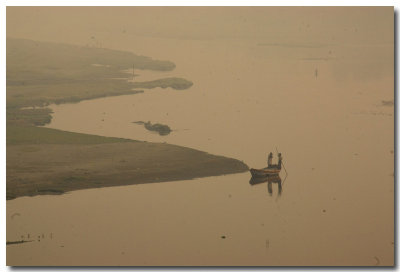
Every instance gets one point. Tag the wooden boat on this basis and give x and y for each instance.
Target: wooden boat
(271, 170)
(268, 171)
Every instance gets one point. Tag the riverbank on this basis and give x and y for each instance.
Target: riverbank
(48, 161)
(42, 73)
(42, 169)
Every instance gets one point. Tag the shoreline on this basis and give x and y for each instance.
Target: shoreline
(44, 161)
(73, 166)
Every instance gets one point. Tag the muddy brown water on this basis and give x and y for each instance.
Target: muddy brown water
(336, 137)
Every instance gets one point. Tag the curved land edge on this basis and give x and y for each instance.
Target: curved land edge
(56, 168)
(42, 73)
(48, 161)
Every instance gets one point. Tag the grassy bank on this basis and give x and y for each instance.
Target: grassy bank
(23, 135)
(172, 82)
(42, 73)
(37, 169)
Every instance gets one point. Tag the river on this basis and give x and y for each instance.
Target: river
(321, 106)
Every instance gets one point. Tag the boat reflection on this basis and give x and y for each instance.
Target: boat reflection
(270, 180)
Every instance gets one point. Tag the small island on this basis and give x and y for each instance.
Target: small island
(160, 128)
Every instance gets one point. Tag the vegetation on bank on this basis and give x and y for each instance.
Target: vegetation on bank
(48, 169)
(32, 116)
(42, 73)
(19, 135)
(33, 62)
(172, 82)
(17, 242)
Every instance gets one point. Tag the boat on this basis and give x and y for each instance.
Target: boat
(266, 179)
(271, 170)
(265, 172)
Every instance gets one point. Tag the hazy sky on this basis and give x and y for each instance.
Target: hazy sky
(352, 25)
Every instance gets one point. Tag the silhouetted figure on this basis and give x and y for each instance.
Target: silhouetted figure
(279, 160)
(277, 166)
(270, 159)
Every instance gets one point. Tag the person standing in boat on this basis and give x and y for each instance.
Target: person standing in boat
(279, 160)
(270, 159)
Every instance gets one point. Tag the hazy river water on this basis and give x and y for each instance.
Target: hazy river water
(337, 204)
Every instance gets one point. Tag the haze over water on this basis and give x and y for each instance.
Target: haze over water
(298, 79)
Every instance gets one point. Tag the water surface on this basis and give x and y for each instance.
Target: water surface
(249, 97)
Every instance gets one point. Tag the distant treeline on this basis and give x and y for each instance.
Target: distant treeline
(44, 62)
